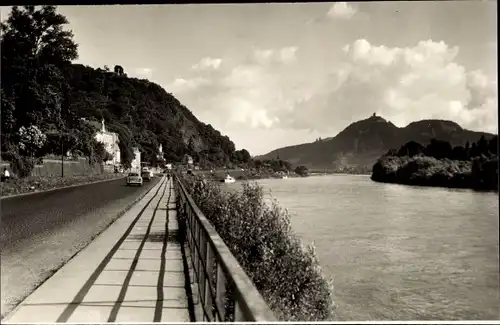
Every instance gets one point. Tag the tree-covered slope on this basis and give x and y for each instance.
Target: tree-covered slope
(43, 91)
(144, 114)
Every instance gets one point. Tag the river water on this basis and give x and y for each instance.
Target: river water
(398, 252)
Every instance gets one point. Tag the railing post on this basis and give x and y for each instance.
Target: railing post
(209, 287)
(220, 293)
(238, 315)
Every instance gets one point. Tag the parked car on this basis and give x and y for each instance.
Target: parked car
(134, 179)
(146, 176)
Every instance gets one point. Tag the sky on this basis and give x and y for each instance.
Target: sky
(274, 75)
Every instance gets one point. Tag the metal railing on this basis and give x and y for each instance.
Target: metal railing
(226, 293)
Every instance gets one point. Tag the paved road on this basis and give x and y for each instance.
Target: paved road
(40, 233)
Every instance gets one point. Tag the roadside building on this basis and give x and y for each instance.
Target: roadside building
(110, 140)
(136, 162)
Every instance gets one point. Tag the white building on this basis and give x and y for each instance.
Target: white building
(136, 163)
(188, 160)
(110, 141)
(160, 152)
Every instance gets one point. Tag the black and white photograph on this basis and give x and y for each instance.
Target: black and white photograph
(249, 162)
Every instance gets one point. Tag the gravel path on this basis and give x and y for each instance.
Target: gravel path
(40, 233)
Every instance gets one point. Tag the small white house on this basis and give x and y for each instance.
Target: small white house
(110, 141)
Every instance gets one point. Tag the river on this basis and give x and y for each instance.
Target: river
(398, 252)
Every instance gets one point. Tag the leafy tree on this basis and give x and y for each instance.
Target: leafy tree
(302, 171)
(34, 49)
(41, 87)
(31, 139)
(411, 149)
(107, 156)
(438, 149)
(493, 145)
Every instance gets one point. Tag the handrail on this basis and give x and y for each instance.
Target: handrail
(231, 295)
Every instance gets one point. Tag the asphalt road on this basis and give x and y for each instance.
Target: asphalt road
(40, 233)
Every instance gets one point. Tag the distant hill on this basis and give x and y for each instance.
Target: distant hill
(363, 142)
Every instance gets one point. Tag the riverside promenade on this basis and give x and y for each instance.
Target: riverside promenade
(145, 268)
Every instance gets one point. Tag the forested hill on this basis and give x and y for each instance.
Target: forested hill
(47, 95)
(143, 113)
(361, 143)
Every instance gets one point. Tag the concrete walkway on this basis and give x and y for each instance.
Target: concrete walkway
(132, 272)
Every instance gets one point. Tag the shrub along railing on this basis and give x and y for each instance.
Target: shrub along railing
(225, 291)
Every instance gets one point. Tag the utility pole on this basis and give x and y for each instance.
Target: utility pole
(61, 134)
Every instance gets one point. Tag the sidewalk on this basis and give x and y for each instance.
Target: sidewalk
(132, 272)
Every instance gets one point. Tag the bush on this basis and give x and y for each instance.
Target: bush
(288, 276)
(22, 166)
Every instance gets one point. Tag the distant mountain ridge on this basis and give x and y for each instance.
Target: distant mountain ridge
(363, 142)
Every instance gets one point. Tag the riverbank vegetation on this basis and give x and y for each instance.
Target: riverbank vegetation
(260, 236)
(439, 164)
(32, 184)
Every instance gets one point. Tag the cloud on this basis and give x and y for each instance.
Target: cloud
(285, 55)
(146, 73)
(246, 94)
(207, 63)
(271, 89)
(402, 85)
(341, 10)
(181, 85)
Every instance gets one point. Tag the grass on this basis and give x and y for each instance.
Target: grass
(36, 184)
(260, 236)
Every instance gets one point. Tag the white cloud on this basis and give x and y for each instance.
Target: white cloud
(286, 55)
(181, 85)
(247, 94)
(403, 85)
(146, 73)
(341, 10)
(207, 63)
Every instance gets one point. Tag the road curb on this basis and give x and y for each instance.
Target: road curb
(59, 188)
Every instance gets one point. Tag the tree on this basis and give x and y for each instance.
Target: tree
(482, 145)
(31, 140)
(302, 171)
(107, 157)
(493, 145)
(438, 149)
(411, 149)
(34, 50)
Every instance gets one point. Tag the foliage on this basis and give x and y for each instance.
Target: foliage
(31, 139)
(302, 170)
(22, 166)
(440, 164)
(275, 165)
(260, 236)
(145, 115)
(41, 87)
(34, 50)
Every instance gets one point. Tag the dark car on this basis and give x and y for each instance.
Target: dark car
(146, 176)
